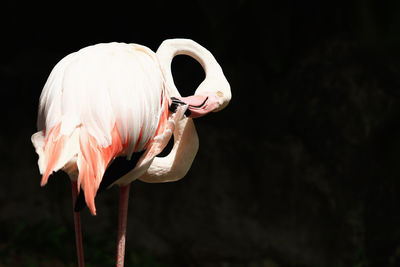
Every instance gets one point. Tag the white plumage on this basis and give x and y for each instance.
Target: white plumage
(101, 85)
(87, 94)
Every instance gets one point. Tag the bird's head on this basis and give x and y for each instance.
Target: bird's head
(213, 94)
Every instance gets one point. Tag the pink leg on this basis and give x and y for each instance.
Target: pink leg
(122, 215)
(78, 229)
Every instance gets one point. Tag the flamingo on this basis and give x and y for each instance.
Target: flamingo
(117, 102)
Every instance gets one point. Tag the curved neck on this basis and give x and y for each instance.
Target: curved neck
(175, 166)
(173, 47)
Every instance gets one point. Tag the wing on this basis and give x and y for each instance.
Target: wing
(104, 101)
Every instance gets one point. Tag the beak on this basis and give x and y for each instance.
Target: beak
(198, 105)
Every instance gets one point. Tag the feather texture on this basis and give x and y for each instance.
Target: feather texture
(101, 102)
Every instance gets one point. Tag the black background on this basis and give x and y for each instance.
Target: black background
(301, 169)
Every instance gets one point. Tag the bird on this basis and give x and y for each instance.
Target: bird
(115, 106)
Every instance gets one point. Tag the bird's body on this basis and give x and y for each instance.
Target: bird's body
(117, 100)
(104, 101)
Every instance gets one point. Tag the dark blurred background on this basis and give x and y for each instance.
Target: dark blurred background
(301, 169)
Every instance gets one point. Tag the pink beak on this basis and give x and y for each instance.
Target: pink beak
(200, 105)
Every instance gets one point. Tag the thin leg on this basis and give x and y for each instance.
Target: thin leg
(78, 229)
(122, 215)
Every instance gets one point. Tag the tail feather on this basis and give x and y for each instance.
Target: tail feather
(93, 162)
(55, 151)
(53, 148)
(91, 159)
